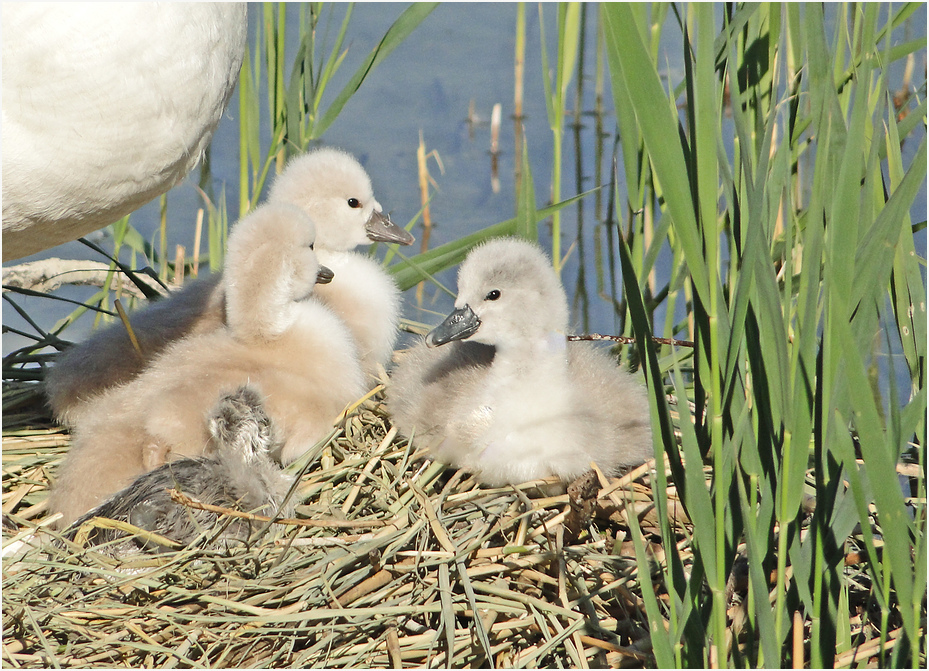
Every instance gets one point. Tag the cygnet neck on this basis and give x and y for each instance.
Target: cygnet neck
(549, 348)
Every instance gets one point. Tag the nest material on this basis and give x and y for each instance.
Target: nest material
(395, 561)
(401, 562)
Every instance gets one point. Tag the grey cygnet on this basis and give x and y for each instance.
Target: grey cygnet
(240, 474)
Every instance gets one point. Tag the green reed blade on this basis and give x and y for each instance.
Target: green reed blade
(395, 35)
(527, 220)
(629, 60)
(451, 253)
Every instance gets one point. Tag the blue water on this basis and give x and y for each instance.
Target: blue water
(461, 53)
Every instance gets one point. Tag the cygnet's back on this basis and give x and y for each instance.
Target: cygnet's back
(108, 357)
(238, 475)
(502, 394)
(335, 191)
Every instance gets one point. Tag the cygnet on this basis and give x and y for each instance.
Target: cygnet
(322, 183)
(278, 339)
(497, 390)
(237, 473)
(328, 184)
(105, 107)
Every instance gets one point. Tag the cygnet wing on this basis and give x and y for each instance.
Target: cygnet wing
(429, 383)
(617, 401)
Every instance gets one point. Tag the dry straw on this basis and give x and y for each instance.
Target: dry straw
(403, 562)
(396, 561)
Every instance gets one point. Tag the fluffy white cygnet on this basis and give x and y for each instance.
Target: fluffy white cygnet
(332, 187)
(106, 106)
(497, 390)
(278, 339)
(328, 184)
(237, 473)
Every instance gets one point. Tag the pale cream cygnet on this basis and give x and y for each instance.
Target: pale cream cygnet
(278, 339)
(105, 107)
(332, 187)
(497, 390)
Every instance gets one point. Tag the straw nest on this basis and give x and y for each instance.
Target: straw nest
(397, 561)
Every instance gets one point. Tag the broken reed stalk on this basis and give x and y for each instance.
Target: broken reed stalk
(46, 275)
(629, 340)
(179, 255)
(519, 68)
(798, 638)
(425, 179)
(519, 63)
(198, 234)
(495, 148)
(124, 318)
(495, 129)
(423, 172)
(163, 237)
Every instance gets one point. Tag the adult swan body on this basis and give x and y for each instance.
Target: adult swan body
(106, 106)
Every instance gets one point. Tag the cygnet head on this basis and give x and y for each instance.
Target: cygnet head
(282, 232)
(508, 293)
(331, 186)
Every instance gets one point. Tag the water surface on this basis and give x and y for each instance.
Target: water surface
(461, 54)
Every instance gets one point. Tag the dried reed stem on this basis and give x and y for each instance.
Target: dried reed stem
(198, 235)
(124, 318)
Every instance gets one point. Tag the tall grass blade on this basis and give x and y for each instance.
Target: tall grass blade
(451, 253)
(527, 221)
(395, 35)
(653, 113)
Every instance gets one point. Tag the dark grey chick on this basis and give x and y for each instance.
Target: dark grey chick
(239, 474)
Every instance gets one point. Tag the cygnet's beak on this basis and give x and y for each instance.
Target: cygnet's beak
(460, 324)
(380, 228)
(324, 275)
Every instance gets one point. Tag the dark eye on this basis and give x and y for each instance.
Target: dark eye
(354, 203)
(492, 295)
(312, 246)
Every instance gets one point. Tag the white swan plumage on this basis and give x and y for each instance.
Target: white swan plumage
(106, 106)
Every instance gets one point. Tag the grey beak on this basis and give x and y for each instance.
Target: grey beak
(460, 324)
(380, 228)
(324, 275)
